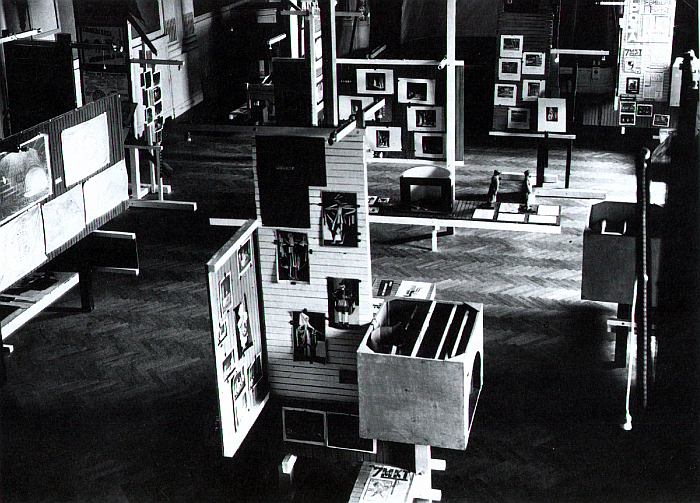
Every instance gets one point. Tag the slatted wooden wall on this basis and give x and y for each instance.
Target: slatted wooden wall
(536, 29)
(345, 172)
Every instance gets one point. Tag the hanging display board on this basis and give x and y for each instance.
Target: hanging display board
(237, 335)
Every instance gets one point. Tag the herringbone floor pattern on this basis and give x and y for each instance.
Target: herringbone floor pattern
(120, 404)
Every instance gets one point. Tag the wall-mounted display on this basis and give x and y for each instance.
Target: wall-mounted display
(425, 119)
(645, 110)
(661, 120)
(533, 63)
(304, 426)
(292, 256)
(370, 81)
(105, 191)
(339, 216)
(509, 69)
(85, 149)
(551, 115)
(244, 337)
(418, 91)
(511, 46)
(533, 89)
(25, 176)
(627, 119)
(633, 85)
(244, 257)
(383, 138)
(628, 107)
(429, 145)
(21, 246)
(225, 301)
(343, 302)
(309, 333)
(505, 94)
(519, 118)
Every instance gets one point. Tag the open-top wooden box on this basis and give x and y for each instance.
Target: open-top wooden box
(420, 372)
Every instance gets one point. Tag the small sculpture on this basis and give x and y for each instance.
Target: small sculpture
(528, 193)
(493, 188)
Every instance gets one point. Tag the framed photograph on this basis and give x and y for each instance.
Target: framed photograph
(384, 114)
(343, 433)
(661, 120)
(551, 115)
(633, 85)
(505, 94)
(350, 105)
(245, 257)
(227, 366)
(382, 138)
(533, 89)
(645, 110)
(309, 333)
(518, 118)
(418, 91)
(370, 81)
(511, 46)
(225, 294)
(533, 63)
(509, 68)
(339, 218)
(223, 331)
(292, 256)
(304, 426)
(425, 119)
(429, 145)
(244, 338)
(628, 107)
(627, 119)
(343, 302)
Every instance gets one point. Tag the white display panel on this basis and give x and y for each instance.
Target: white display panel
(105, 191)
(85, 149)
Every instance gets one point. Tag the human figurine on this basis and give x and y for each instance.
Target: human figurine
(528, 193)
(344, 304)
(493, 188)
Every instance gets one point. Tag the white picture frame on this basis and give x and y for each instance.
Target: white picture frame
(505, 94)
(511, 46)
(384, 139)
(518, 118)
(416, 91)
(425, 119)
(533, 89)
(347, 105)
(551, 115)
(373, 81)
(533, 63)
(509, 68)
(429, 145)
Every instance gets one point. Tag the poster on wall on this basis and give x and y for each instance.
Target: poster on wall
(343, 302)
(25, 176)
(309, 333)
(21, 246)
(292, 257)
(339, 215)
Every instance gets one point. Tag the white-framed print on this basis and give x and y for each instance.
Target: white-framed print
(533, 63)
(349, 105)
(511, 46)
(645, 110)
(371, 81)
(429, 145)
(518, 118)
(627, 119)
(386, 139)
(418, 91)
(533, 89)
(509, 68)
(551, 115)
(505, 94)
(425, 119)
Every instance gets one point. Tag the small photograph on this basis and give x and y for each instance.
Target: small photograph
(633, 85)
(370, 81)
(509, 69)
(309, 336)
(292, 256)
(627, 119)
(383, 138)
(645, 110)
(552, 114)
(225, 294)
(533, 63)
(223, 331)
(519, 118)
(661, 120)
(533, 89)
(505, 94)
(425, 119)
(343, 302)
(511, 46)
(227, 366)
(427, 145)
(375, 82)
(418, 91)
(244, 257)
(244, 336)
(628, 107)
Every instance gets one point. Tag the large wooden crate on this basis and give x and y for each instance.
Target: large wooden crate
(420, 372)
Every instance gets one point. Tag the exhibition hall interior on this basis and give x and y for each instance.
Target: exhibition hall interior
(349, 251)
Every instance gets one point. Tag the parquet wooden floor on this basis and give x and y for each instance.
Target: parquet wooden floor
(120, 404)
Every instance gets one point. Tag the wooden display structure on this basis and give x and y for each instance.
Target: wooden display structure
(420, 383)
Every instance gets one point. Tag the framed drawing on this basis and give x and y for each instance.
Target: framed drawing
(339, 218)
(645, 110)
(304, 426)
(627, 119)
(509, 69)
(425, 119)
(429, 145)
(533, 63)
(533, 89)
(23, 246)
(505, 94)
(661, 120)
(343, 302)
(244, 257)
(511, 46)
(418, 91)
(518, 118)
(370, 81)
(223, 331)
(551, 115)
(382, 138)
(628, 107)
(292, 256)
(633, 85)
(309, 333)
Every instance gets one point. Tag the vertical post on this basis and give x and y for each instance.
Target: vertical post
(450, 115)
(423, 480)
(330, 72)
(643, 268)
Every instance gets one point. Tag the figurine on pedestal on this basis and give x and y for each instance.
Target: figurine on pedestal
(528, 193)
(493, 188)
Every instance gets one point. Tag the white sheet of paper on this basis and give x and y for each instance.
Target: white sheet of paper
(546, 209)
(413, 289)
(542, 219)
(85, 149)
(21, 246)
(64, 218)
(105, 191)
(508, 208)
(511, 217)
(484, 214)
